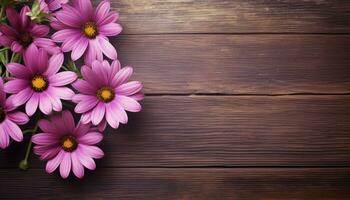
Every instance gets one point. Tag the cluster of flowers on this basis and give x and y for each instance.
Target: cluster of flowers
(39, 81)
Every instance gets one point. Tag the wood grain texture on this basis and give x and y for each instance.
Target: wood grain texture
(184, 184)
(244, 64)
(226, 115)
(227, 16)
(228, 131)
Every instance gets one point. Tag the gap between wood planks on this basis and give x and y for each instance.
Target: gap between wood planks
(238, 95)
(247, 33)
(202, 167)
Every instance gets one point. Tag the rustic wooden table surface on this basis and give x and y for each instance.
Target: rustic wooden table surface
(245, 99)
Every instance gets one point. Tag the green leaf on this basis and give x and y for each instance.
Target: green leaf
(4, 57)
(15, 58)
(36, 14)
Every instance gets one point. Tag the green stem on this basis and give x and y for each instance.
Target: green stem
(15, 57)
(12, 56)
(28, 150)
(28, 131)
(4, 49)
(24, 163)
(65, 68)
(2, 10)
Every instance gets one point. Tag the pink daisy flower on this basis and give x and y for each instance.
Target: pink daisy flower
(66, 145)
(51, 5)
(38, 83)
(105, 94)
(9, 120)
(23, 32)
(81, 28)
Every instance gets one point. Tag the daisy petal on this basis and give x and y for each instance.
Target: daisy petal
(56, 102)
(112, 118)
(117, 112)
(16, 47)
(50, 152)
(18, 70)
(77, 167)
(68, 120)
(109, 18)
(55, 162)
(45, 104)
(55, 64)
(110, 29)
(13, 17)
(63, 78)
(92, 151)
(65, 165)
(129, 104)
(86, 117)
(84, 7)
(84, 87)
(32, 104)
(102, 10)
(4, 138)
(42, 61)
(47, 126)
(91, 138)
(85, 160)
(20, 98)
(45, 139)
(122, 76)
(98, 113)
(40, 30)
(18, 117)
(69, 19)
(138, 97)
(102, 126)
(62, 92)
(129, 88)
(79, 48)
(107, 48)
(13, 130)
(87, 104)
(62, 35)
(15, 86)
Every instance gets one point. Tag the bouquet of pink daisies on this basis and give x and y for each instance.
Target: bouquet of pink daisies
(40, 43)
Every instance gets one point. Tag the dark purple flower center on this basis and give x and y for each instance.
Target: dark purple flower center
(39, 83)
(2, 115)
(25, 39)
(69, 143)
(90, 30)
(105, 94)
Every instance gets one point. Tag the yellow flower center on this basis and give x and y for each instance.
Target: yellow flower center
(90, 30)
(68, 143)
(39, 83)
(105, 94)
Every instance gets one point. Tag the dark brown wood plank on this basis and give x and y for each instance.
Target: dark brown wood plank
(228, 131)
(244, 64)
(240, 16)
(243, 184)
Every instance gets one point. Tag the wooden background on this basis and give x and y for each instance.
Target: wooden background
(246, 99)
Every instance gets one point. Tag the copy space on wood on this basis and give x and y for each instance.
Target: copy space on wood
(227, 16)
(238, 64)
(161, 183)
(177, 131)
